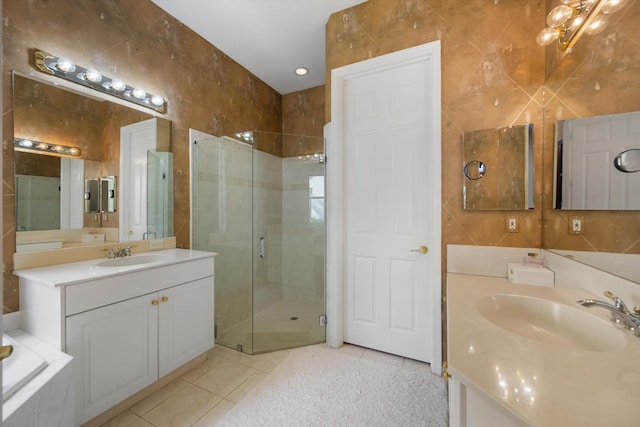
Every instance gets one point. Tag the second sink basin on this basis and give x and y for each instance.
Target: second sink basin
(130, 261)
(550, 322)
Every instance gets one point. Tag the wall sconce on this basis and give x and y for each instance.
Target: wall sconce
(568, 21)
(27, 145)
(94, 79)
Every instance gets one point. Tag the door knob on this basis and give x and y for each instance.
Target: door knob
(422, 249)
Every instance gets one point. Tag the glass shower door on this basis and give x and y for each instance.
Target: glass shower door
(159, 194)
(221, 211)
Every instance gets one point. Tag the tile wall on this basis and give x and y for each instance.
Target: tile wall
(140, 43)
(493, 75)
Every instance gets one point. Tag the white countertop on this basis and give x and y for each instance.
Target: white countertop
(540, 383)
(81, 271)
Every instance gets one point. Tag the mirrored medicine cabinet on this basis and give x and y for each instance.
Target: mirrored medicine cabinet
(497, 165)
(100, 194)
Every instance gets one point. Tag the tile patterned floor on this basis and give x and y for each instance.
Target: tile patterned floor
(205, 394)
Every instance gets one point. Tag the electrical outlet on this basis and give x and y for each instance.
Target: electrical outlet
(576, 225)
(512, 224)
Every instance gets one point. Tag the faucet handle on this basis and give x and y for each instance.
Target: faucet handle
(636, 310)
(620, 305)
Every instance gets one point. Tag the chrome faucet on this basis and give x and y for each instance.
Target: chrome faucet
(119, 253)
(620, 314)
(123, 252)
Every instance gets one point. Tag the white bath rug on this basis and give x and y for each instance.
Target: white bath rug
(318, 386)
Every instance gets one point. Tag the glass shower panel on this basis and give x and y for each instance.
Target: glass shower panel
(289, 233)
(221, 212)
(159, 194)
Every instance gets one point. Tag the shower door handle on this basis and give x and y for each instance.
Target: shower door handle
(262, 247)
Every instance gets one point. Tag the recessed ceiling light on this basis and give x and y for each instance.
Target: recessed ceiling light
(301, 71)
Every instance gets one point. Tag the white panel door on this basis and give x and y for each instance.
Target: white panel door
(115, 351)
(388, 211)
(186, 323)
(590, 179)
(135, 141)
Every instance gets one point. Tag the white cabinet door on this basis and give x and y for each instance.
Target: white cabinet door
(186, 323)
(115, 351)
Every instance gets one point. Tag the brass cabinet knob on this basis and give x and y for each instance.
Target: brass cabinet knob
(5, 351)
(422, 249)
(165, 299)
(155, 302)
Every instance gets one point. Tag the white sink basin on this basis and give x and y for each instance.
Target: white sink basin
(131, 260)
(550, 322)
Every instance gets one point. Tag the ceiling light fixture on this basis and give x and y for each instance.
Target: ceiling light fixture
(94, 79)
(568, 21)
(302, 71)
(28, 145)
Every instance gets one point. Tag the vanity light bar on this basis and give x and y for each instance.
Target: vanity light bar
(92, 78)
(39, 146)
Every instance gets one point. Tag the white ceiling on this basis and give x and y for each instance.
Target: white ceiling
(270, 38)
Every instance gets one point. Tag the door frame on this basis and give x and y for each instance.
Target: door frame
(335, 219)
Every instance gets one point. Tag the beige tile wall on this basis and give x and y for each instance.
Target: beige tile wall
(492, 76)
(140, 43)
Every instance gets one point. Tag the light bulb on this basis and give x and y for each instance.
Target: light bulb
(139, 93)
(74, 151)
(26, 143)
(547, 36)
(42, 146)
(157, 100)
(118, 85)
(611, 6)
(66, 65)
(302, 71)
(559, 15)
(597, 25)
(93, 75)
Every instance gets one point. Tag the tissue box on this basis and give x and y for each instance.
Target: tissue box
(92, 238)
(527, 275)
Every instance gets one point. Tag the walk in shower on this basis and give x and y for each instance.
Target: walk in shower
(258, 201)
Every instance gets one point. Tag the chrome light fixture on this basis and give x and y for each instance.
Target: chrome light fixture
(568, 21)
(94, 79)
(21, 144)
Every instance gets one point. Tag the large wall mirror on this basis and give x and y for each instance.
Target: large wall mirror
(50, 183)
(588, 95)
(597, 163)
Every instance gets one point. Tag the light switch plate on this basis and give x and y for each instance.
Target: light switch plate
(511, 224)
(576, 225)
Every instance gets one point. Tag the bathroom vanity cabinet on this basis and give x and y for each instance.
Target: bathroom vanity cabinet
(127, 326)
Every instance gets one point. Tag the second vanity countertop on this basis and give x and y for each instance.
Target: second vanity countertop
(540, 383)
(81, 271)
